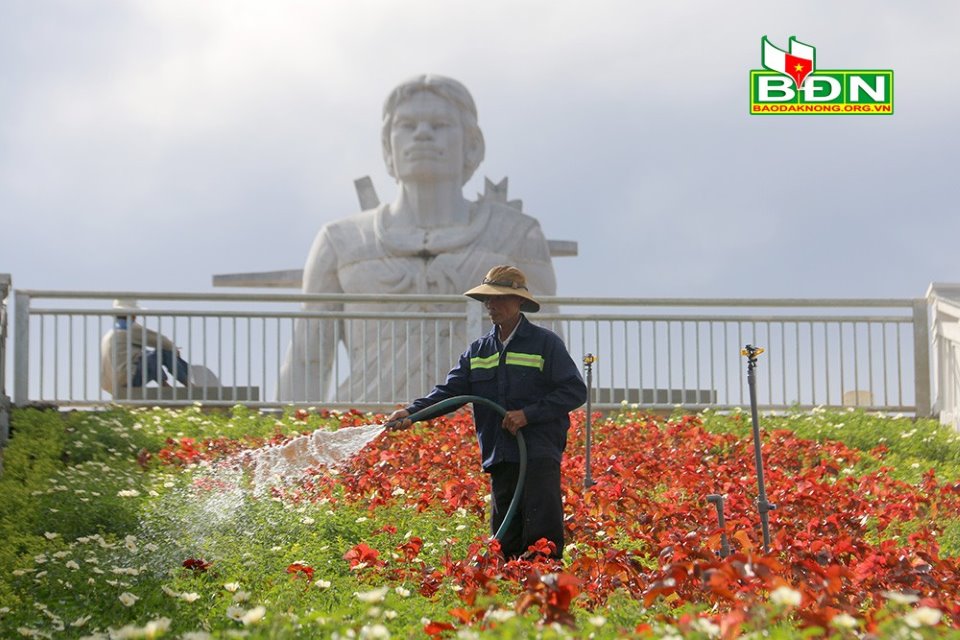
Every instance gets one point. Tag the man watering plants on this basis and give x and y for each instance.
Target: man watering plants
(527, 370)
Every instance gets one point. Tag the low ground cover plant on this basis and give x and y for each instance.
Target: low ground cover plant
(147, 523)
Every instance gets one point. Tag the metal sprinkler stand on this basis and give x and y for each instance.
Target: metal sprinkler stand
(588, 361)
(751, 352)
(717, 500)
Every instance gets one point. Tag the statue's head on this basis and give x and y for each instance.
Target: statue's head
(453, 93)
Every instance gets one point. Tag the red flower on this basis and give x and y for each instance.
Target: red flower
(411, 549)
(553, 593)
(301, 570)
(197, 565)
(362, 554)
(437, 628)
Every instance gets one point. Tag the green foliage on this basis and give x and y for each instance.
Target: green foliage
(95, 534)
(912, 446)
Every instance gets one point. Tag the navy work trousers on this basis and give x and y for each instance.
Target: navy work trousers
(540, 512)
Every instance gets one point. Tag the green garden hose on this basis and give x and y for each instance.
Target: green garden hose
(448, 405)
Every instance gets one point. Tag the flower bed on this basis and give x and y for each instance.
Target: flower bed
(143, 524)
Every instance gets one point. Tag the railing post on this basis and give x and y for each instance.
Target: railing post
(474, 320)
(4, 399)
(21, 349)
(921, 357)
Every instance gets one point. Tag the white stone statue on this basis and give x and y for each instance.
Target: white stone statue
(429, 240)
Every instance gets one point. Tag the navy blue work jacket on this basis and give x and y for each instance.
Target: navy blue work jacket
(534, 373)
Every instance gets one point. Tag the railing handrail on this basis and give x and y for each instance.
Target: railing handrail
(459, 299)
(793, 312)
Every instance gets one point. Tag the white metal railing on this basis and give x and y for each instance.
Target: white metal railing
(659, 353)
(4, 398)
(945, 336)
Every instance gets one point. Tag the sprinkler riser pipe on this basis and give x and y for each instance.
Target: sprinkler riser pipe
(588, 478)
(762, 505)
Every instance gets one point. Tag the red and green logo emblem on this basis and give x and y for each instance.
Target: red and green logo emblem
(791, 84)
(797, 63)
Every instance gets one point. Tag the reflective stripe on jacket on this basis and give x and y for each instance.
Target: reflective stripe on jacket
(535, 373)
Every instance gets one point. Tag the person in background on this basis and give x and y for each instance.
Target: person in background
(527, 370)
(132, 355)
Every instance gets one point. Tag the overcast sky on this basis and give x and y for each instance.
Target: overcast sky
(147, 145)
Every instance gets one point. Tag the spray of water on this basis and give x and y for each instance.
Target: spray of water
(216, 507)
(282, 464)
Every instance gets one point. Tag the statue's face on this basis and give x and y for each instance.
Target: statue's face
(426, 139)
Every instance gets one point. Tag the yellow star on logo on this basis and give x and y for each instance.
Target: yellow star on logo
(799, 67)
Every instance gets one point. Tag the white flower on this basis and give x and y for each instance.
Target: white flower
(708, 627)
(232, 586)
(362, 519)
(597, 621)
(500, 615)
(196, 635)
(241, 596)
(922, 617)
(374, 632)
(156, 627)
(900, 598)
(322, 584)
(128, 599)
(371, 597)
(785, 597)
(402, 592)
(130, 542)
(170, 592)
(307, 520)
(253, 616)
(843, 621)
(79, 622)
(128, 493)
(190, 597)
(40, 559)
(72, 564)
(236, 613)
(50, 536)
